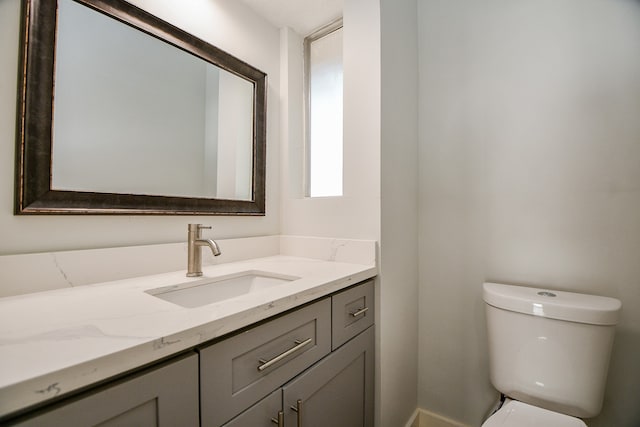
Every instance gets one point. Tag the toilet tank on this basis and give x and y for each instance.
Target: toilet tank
(550, 348)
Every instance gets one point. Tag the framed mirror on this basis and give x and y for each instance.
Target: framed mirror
(122, 113)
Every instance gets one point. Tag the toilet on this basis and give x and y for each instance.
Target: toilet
(549, 354)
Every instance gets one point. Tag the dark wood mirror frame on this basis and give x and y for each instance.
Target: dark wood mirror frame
(34, 194)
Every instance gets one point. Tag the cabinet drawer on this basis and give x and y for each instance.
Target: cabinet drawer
(352, 313)
(241, 370)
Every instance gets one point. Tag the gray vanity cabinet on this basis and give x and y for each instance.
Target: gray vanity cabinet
(290, 361)
(164, 396)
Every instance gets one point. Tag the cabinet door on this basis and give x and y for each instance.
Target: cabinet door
(164, 396)
(263, 414)
(337, 391)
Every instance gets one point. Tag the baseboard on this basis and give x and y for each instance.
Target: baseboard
(414, 421)
(423, 418)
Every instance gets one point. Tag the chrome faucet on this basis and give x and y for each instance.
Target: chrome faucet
(194, 254)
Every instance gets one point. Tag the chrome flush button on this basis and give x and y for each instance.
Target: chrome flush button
(546, 294)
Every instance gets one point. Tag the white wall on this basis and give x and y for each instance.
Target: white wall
(529, 174)
(398, 298)
(224, 23)
(356, 214)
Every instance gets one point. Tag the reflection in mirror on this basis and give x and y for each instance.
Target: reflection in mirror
(165, 134)
(136, 124)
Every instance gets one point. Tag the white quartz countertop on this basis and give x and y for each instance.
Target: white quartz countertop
(58, 341)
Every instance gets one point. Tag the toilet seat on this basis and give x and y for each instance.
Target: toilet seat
(519, 414)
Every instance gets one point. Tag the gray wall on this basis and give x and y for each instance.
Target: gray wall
(398, 326)
(529, 174)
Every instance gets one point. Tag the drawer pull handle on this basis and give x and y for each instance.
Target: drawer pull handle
(359, 312)
(264, 364)
(280, 420)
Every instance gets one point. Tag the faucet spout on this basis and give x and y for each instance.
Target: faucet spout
(215, 249)
(194, 253)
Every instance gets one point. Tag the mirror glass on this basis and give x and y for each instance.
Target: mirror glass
(142, 117)
(166, 133)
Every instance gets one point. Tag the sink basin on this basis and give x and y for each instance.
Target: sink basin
(215, 289)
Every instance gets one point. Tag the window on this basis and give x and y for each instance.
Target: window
(323, 62)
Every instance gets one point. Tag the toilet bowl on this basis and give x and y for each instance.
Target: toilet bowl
(519, 414)
(549, 354)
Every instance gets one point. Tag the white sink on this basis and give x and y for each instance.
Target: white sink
(215, 289)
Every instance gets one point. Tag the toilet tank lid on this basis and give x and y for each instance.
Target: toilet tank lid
(573, 307)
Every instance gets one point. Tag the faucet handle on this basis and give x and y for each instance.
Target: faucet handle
(196, 227)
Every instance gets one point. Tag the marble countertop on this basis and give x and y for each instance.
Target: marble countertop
(54, 342)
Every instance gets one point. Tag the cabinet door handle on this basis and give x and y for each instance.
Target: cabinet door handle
(298, 410)
(280, 420)
(359, 312)
(264, 364)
